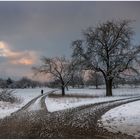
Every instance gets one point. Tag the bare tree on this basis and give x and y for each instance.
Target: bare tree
(77, 79)
(107, 49)
(60, 69)
(95, 78)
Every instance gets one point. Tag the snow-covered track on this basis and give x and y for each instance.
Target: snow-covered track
(28, 105)
(42, 100)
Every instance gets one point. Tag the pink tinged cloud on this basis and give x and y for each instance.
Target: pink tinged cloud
(16, 57)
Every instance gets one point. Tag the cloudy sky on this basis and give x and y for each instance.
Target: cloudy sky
(30, 30)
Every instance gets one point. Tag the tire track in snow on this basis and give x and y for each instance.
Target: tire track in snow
(41, 102)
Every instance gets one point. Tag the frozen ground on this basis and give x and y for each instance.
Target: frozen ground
(125, 119)
(128, 91)
(92, 96)
(25, 95)
(55, 104)
(35, 106)
(7, 108)
(83, 117)
(28, 94)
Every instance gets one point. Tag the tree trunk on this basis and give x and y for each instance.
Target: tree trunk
(73, 85)
(109, 87)
(96, 80)
(67, 88)
(96, 85)
(63, 90)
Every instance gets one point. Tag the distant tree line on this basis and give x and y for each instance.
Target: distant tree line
(21, 83)
(96, 80)
(78, 80)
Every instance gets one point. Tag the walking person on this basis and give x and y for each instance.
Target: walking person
(42, 92)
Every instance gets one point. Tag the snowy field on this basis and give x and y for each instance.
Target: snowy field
(55, 104)
(7, 108)
(25, 95)
(92, 96)
(125, 119)
(101, 92)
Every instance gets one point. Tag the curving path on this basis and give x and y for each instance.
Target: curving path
(79, 122)
(41, 103)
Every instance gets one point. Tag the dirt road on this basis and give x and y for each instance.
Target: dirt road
(80, 122)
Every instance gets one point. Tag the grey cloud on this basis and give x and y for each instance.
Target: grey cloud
(49, 27)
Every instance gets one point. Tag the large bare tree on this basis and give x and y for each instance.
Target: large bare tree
(60, 69)
(107, 49)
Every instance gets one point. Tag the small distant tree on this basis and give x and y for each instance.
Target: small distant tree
(77, 79)
(9, 81)
(54, 84)
(133, 81)
(3, 83)
(95, 79)
(107, 49)
(24, 83)
(118, 81)
(60, 69)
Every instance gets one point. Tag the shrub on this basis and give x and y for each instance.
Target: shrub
(7, 95)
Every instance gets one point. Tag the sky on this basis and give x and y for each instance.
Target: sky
(30, 30)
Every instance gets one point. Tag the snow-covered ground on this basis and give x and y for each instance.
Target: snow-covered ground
(60, 103)
(125, 119)
(28, 94)
(7, 108)
(101, 92)
(25, 95)
(35, 106)
(95, 96)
